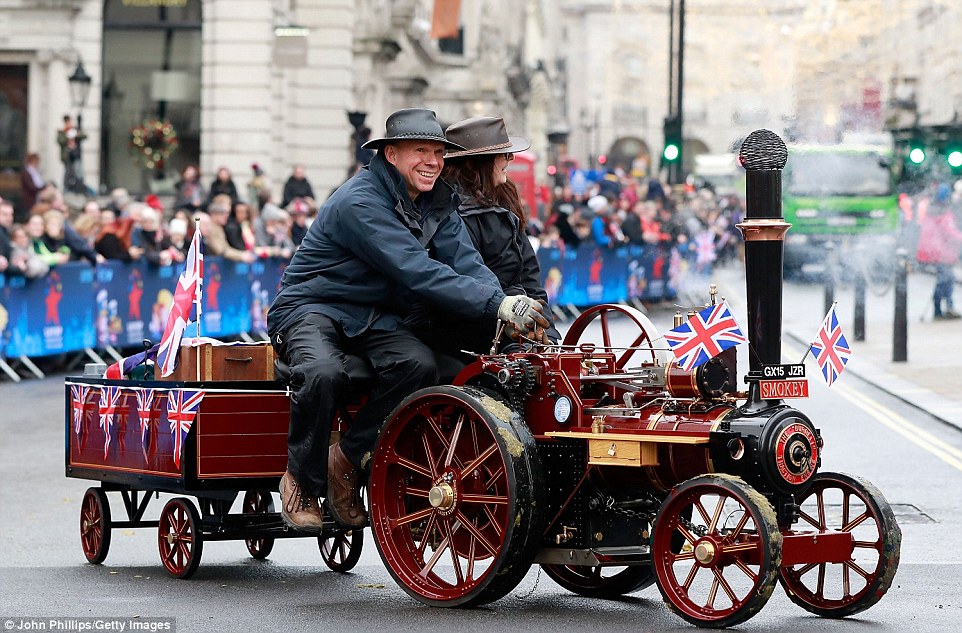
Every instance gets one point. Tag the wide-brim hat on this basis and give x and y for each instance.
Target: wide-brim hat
(484, 135)
(412, 124)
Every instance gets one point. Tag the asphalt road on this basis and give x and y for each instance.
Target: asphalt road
(43, 571)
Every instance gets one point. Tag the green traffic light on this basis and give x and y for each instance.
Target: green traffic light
(671, 152)
(954, 159)
(917, 155)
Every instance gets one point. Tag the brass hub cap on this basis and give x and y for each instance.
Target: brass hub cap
(441, 496)
(705, 552)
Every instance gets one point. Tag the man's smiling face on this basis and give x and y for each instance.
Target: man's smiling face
(419, 163)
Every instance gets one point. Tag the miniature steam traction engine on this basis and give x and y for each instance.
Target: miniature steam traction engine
(614, 469)
(611, 467)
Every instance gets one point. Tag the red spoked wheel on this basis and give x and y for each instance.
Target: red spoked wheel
(839, 502)
(725, 570)
(601, 582)
(598, 324)
(179, 539)
(340, 551)
(455, 492)
(95, 525)
(259, 502)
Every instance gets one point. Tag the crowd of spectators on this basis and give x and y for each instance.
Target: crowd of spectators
(156, 230)
(696, 227)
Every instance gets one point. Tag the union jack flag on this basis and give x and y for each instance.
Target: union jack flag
(182, 406)
(706, 334)
(145, 405)
(185, 308)
(109, 403)
(830, 348)
(78, 394)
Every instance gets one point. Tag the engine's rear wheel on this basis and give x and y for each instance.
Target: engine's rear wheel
(601, 582)
(725, 570)
(839, 502)
(455, 497)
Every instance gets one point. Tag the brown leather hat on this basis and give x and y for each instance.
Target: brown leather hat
(483, 135)
(411, 124)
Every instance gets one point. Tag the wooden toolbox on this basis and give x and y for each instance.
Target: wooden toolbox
(224, 363)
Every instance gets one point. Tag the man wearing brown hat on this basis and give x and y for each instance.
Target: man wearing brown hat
(385, 240)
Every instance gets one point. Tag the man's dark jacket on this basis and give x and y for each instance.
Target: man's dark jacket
(371, 255)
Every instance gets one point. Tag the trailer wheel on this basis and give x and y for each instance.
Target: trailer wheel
(179, 538)
(455, 497)
(95, 525)
(601, 582)
(839, 502)
(341, 550)
(611, 316)
(725, 571)
(259, 502)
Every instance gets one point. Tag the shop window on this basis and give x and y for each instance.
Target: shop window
(13, 128)
(151, 71)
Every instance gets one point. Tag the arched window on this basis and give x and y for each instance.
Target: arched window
(151, 71)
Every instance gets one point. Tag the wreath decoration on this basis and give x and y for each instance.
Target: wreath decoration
(152, 142)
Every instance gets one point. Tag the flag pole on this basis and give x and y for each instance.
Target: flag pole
(198, 296)
(809, 350)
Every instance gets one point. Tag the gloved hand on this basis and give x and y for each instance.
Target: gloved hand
(524, 313)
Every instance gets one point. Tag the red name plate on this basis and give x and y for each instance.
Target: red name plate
(779, 389)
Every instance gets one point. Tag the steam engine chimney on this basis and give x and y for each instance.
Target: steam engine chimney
(763, 155)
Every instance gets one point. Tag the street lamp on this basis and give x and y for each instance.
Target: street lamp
(361, 135)
(80, 83)
(79, 90)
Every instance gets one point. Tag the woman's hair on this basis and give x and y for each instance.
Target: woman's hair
(474, 176)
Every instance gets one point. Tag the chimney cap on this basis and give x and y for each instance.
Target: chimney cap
(763, 150)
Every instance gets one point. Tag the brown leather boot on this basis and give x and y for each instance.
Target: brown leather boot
(298, 510)
(343, 498)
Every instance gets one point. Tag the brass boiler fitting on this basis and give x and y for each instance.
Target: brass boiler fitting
(598, 424)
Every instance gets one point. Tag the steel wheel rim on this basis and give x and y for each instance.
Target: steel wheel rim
(94, 528)
(258, 502)
(604, 314)
(725, 570)
(838, 502)
(178, 539)
(442, 447)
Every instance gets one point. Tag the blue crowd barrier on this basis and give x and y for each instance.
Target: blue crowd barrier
(77, 306)
(590, 275)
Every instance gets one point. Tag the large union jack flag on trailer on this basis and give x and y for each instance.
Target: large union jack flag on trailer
(182, 406)
(185, 308)
(830, 348)
(705, 335)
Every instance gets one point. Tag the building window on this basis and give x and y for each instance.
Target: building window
(151, 70)
(452, 45)
(13, 128)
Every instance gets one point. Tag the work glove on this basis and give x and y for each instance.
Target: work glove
(523, 313)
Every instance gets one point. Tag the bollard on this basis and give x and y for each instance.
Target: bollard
(830, 276)
(859, 326)
(900, 329)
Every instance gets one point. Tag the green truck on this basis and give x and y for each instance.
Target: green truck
(841, 194)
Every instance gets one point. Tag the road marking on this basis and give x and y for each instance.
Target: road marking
(925, 440)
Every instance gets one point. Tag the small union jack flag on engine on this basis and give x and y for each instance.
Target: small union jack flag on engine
(109, 403)
(185, 307)
(830, 348)
(79, 393)
(706, 334)
(182, 406)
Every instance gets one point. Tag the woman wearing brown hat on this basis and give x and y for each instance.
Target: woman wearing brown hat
(492, 210)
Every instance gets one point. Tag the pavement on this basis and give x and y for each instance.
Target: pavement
(931, 376)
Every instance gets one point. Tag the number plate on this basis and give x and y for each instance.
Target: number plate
(782, 372)
(780, 389)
